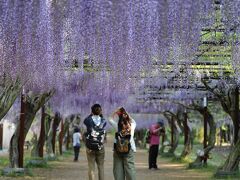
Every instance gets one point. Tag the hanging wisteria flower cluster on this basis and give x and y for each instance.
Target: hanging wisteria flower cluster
(231, 20)
(38, 38)
(111, 44)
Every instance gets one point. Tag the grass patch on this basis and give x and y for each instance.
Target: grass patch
(205, 168)
(230, 176)
(217, 158)
(67, 153)
(185, 160)
(15, 172)
(4, 161)
(37, 163)
(51, 158)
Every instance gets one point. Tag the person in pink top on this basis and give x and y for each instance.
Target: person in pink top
(155, 131)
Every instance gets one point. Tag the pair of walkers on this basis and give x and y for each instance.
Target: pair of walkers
(124, 145)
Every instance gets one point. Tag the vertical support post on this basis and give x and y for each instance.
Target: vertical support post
(205, 129)
(172, 131)
(186, 130)
(1, 136)
(205, 132)
(42, 133)
(21, 131)
(220, 129)
(205, 135)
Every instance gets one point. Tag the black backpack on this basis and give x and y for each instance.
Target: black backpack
(95, 138)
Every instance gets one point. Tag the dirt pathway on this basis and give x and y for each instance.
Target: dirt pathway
(66, 169)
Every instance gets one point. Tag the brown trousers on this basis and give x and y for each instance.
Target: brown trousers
(98, 157)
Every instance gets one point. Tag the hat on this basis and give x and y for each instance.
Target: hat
(160, 122)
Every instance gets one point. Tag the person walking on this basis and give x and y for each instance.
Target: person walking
(76, 143)
(95, 124)
(124, 145)
(155, 131)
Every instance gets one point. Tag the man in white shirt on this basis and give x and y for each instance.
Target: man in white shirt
(76, 143)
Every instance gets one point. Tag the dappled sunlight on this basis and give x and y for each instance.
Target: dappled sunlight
(141, 165)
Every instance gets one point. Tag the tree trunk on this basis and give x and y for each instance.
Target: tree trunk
(61, 138)
(77, 120)
(68, 140)
(66, 127)
(210, 141)
(230, 104)
(187, 138)
(8, 95)
(175, 137)
(234, 112)
(33, 104)
(231, 165)
(34, 142)
(21, 137)
(56, 121)
(52, 136)
(41, 140)
(48, 125)
(1, 136)
(163, 146)
(73, 121)
(38, 149)
(13, 150)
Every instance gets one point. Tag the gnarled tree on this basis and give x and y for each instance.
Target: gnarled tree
(174, 132)
(50, 144)
(31, 104)
(211, 138)
(68, 121)
(228, 95)
(188, 135)
(9, 91)
(37, 150)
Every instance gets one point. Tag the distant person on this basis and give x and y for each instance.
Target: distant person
(76, 143)
(124, 145)
(155, 130)
(94, 137)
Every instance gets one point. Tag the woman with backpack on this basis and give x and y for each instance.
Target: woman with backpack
(124, 145)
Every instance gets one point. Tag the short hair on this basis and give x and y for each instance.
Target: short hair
(76, 129)
(95, 107)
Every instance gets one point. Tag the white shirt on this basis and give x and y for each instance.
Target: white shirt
(76, 138)
(114, 123)
(96, 119)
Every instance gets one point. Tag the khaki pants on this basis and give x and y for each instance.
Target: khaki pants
(124, 167)
(98, 157)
